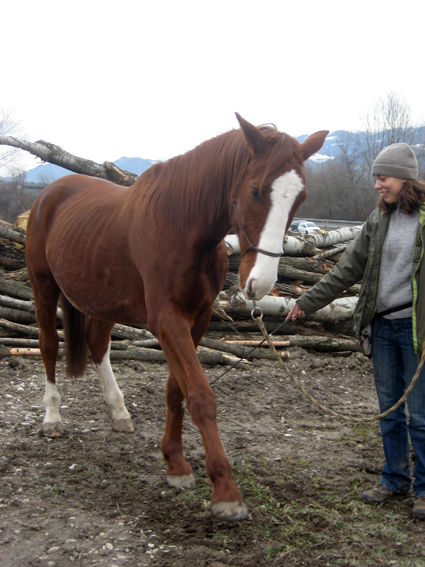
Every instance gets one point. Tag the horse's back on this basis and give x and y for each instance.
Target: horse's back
(77, 237)
(70, 193)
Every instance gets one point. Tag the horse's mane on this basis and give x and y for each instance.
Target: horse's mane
(196, 185)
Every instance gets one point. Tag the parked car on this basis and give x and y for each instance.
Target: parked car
(294, 226)
(308, 227)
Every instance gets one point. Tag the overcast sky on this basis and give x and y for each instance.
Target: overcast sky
(105, 79)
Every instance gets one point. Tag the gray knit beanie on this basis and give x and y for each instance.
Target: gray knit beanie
(396, 160)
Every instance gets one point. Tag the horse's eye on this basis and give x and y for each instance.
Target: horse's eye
(255, 192)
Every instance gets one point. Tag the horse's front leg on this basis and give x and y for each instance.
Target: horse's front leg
(178, 346)
(179, 473)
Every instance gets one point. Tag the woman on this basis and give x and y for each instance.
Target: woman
(388, 256)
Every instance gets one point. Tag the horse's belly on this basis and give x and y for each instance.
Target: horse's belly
(116, 298)
(107, 307)
(94, 270)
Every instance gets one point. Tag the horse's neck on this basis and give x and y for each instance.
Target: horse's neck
(192, 193)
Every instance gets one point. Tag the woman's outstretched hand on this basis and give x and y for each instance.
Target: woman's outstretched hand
(295, 313)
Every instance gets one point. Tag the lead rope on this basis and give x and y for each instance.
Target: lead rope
(259, 319)
(254, 348)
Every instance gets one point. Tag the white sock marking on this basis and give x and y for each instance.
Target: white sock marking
(113, 396)
(51, 401)
(262, 277)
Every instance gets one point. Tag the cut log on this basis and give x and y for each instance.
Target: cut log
(132, 333)
(18, 275)
(293, 246)
(25, 330)
(23, 305)
(250, 343)
(308, 264)
(324, 344)
(15, 289)
(232, 244)
(315, 342)
(328, 239)
(218, 345)
(11, 257)
(298, 246)
(240, 326)
(19, 342)
(24, 351)
(146, 343)
(16, 315)
(7, 232)
(288, 272)
(206, 356)
(240, 351)
(332, 253)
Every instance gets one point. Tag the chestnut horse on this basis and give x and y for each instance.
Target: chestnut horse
(153, 254)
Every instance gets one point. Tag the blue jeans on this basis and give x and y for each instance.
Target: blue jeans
(394, 365)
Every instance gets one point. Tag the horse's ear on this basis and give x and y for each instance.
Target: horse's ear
(313, 143)
(253, 136)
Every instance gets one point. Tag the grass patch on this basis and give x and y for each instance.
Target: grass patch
(300, 519)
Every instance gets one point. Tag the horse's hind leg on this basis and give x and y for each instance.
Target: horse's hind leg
(98, 338)
(46, 295)
(179, 473)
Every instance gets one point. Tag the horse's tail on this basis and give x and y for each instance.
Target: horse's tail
(74, 326)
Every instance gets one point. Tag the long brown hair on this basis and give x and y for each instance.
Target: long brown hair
(412, 196)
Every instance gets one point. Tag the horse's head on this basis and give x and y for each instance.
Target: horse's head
(271, 190)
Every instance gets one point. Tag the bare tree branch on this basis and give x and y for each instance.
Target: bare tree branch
(7, 125)
(55, 154)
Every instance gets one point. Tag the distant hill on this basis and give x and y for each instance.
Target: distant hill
(330, 148)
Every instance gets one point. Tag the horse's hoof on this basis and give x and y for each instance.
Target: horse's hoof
(123, 425)
(53, 429)
(230, 511)
(181, 482)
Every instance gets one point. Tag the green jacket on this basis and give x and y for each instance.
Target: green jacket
(361, 262)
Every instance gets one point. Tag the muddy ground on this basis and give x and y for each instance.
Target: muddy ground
(99, 498)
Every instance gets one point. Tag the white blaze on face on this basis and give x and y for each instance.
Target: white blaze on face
(285, 189)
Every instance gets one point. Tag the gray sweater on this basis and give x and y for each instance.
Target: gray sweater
(361, 262)
(395, 285)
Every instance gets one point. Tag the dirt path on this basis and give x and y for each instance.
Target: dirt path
(98, 498)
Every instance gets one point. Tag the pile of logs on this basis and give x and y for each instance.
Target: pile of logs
(306, 259)
(232, 334)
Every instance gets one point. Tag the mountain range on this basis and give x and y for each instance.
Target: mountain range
(47, 172)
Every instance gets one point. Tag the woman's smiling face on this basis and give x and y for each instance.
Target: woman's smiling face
(389, 188)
